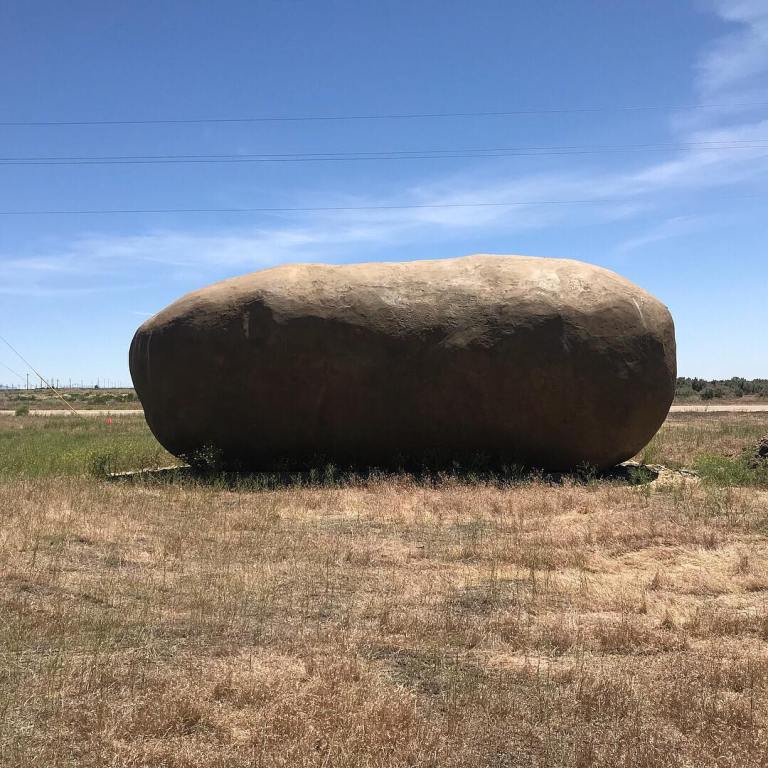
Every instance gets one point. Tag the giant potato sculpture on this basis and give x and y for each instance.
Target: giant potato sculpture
(543, 362)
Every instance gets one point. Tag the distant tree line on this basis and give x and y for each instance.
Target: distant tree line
(730, 389)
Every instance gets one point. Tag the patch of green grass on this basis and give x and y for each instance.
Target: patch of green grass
(723, 471)
(44, 446)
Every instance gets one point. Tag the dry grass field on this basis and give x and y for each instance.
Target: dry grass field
(380, 622)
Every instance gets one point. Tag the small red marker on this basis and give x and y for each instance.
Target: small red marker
(109, 419)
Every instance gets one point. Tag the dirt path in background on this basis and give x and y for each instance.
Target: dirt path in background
(746, 408)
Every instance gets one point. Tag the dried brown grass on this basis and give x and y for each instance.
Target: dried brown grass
(685, 437)
(385, 623)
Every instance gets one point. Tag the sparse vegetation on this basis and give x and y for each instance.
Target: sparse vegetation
(380, 621)
(45, 399)
(686, 438)
(688, 390)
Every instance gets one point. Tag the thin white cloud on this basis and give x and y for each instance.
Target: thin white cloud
(107, 260)
(737, 59)
(677, 226)
(733, 70)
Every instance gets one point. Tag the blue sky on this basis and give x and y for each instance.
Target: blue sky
(687, 221)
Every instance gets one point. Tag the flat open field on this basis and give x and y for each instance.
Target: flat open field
(385, 621)
(124, 398)
(79, 399)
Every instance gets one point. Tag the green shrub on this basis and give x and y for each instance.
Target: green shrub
(207, 458)
(22, 410)
(101, 464)
(735, 387)
(725, 472)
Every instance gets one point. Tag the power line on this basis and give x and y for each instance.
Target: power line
(8, 368)
(424, 154)
(332, 208)
(387, 116)
(34, 370)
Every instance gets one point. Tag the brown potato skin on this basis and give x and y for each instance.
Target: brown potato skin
(548, 363)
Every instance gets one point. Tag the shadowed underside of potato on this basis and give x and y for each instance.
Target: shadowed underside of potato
(541, 362)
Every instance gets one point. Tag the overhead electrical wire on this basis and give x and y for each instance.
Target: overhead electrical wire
(423, 154)
(8, 368)
(37, 373)
(381, 116)
(332, 208)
